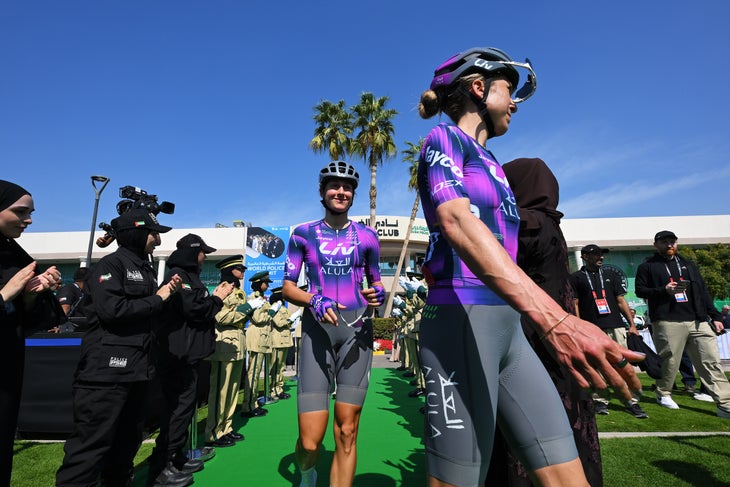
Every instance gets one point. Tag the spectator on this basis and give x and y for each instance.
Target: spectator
(26, 301)
(543, 255)
(71, 296)
(599, 299)
(679, 307)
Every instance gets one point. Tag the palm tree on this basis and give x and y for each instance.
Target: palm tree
(410, 155)
(374, 138)
(334, 126)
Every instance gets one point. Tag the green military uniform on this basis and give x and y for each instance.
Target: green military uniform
(258, 343)
(415, 307)
(226, 366)
(281, 342)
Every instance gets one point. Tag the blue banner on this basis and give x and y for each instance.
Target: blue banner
(266, 251)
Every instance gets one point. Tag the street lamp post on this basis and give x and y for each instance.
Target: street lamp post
(95, 179)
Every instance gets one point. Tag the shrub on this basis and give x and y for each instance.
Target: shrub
(383, 328)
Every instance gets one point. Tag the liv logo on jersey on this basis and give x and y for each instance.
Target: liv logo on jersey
(339, 249)
(135, 276)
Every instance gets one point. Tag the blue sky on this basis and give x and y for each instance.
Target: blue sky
(209, 104)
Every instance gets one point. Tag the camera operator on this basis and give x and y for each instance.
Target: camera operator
(110, 385)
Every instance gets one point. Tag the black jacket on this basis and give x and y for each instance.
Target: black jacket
(122, 308)
(651, 279)
(187, 329)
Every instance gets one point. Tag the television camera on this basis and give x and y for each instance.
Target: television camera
(133, 198)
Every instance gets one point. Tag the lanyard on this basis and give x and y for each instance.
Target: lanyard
(679, 270)
(590, 283)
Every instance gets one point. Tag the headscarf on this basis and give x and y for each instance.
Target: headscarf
(12, 256)
(535, 188)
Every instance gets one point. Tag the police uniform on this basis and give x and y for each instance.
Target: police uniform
(281, 342)
(258, 344)
(182, 338)
(415, 306)
(228, 360)
(110, 384)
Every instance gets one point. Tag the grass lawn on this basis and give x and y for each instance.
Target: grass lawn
(394, 422)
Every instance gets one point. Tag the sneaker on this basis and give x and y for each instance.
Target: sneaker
(723, 412)
(601, 408)
(690, 388)
(635, 410)
(701, 396)
(667, 402)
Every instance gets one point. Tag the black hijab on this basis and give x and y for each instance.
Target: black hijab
(12, 256)
(535, 188)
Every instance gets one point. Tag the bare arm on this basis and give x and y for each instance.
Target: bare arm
(579, 345)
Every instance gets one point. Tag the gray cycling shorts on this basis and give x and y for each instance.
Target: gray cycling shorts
(480, 370)
(331, 355)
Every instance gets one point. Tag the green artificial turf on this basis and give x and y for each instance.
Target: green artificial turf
(391, 453)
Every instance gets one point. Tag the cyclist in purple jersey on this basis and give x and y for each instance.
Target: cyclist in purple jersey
(341, 261)
(480, 370)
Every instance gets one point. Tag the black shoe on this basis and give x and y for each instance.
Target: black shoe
(414, 382)
(416, 392)
(284, 395)
(409, 374)
(256, 413)
(172, 477)
(422, 410)
(221, 442)
(636, 411)
(402, 367)
(601, 408)
(235, 436)
(186, 465)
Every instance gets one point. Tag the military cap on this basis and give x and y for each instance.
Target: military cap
(192, 241)
(261, 276)
(232, 261)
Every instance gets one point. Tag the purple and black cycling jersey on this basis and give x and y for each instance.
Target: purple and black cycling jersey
(453, 165)
(336, 261)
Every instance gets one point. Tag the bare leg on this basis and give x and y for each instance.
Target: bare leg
(568, 474)
(346, 424)
(312, 427)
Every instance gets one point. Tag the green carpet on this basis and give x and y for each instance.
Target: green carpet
(389, 443)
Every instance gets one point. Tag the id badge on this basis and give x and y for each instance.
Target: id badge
(602, 306)
(681, 297)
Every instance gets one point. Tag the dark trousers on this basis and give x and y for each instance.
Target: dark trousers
(12, 353)
(108, 428)
(179, 382)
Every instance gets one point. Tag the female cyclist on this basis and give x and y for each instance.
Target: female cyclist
(480, 368)
(340, 258)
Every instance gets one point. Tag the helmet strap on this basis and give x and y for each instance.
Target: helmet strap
(482, 108)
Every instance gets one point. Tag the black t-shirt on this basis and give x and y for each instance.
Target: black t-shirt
(605, 283)
(70, 294)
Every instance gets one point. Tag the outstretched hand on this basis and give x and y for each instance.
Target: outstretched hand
(593, 358)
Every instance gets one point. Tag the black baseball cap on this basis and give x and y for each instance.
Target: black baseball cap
(664, 234)
(592, 249)
(191, 241)
(138, 218)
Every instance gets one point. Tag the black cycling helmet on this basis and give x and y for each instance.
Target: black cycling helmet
(340, 170)
(490, 62)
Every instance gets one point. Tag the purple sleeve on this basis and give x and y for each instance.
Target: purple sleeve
(294, 257)
(444, 166)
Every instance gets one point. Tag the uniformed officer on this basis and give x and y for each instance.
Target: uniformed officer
(110, 384)
(182, 338)
(258, 343)
(281, 342)
(228, 360)
(415, 303)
